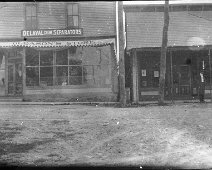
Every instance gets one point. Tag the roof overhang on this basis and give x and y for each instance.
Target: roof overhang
(46, 44)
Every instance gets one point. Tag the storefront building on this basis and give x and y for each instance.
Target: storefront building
(188, 52)
(58, 51)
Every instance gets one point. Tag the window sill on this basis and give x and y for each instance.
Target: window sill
(67, 87)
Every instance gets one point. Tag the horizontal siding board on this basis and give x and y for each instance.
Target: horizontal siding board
(11, 21)
(96, 18)
(145, 29)
(51, 15)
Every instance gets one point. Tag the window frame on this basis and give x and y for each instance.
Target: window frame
(36, 17)
(67, 15)
(58, 84)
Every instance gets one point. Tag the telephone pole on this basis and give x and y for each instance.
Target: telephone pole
(122, 94)
(163, 54)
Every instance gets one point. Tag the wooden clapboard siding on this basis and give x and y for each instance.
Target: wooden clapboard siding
(51, 15)
(11, 20)
(96, 18)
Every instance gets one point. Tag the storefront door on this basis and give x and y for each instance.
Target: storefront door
(15, 87)
(182, 80)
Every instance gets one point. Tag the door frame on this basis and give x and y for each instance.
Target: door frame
(14, 93)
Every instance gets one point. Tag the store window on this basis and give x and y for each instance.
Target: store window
(149, 69)
(31, 16)
(74, 66)
(46, 68)
(73, 15)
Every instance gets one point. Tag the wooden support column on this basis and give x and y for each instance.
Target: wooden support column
(134, 75)
(171, 72)
(54, 68)
(24, 71)
(122, 92)
(6, 73)
(210, 73)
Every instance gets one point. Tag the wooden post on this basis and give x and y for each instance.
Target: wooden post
(171, 62)
(121, 55)
(6, 73)
(24, 71)
(54, 68)
(210, 71)
(134, 77)
(163, 54)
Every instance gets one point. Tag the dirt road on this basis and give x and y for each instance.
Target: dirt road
(72, 134)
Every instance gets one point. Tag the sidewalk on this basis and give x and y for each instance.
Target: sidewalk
(20, 102)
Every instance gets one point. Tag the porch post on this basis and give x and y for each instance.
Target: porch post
(171, 75)
(24, 71)
(54, 68)
(210, 71)
(6, 73)
(134, 77)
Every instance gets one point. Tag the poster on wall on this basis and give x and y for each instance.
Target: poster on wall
(156, 73)
(143, 73)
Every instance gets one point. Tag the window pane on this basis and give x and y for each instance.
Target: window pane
(32, 76)
(46, 76)
(62, 75)
(46, 58)
(70, 21)
(33, 22)
(28, 11)
(70, 12)
(75, 9)
(62, 57)
(75, 18)
(75, 75)
(28, 22)
(32, 57)
(88, 75)
(33, 8)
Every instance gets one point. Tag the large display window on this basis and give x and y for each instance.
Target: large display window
(88, 66)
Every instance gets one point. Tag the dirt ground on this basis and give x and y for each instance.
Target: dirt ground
(177, 135)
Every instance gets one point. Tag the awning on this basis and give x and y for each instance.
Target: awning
(57, 43)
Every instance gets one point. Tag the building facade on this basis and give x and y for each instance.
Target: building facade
(58, 51)
(188, 51)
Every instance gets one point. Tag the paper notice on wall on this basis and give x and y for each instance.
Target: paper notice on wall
(156, 73)
(143, 73)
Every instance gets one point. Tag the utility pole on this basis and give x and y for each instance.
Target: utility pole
(122, 94)
(163, 54)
